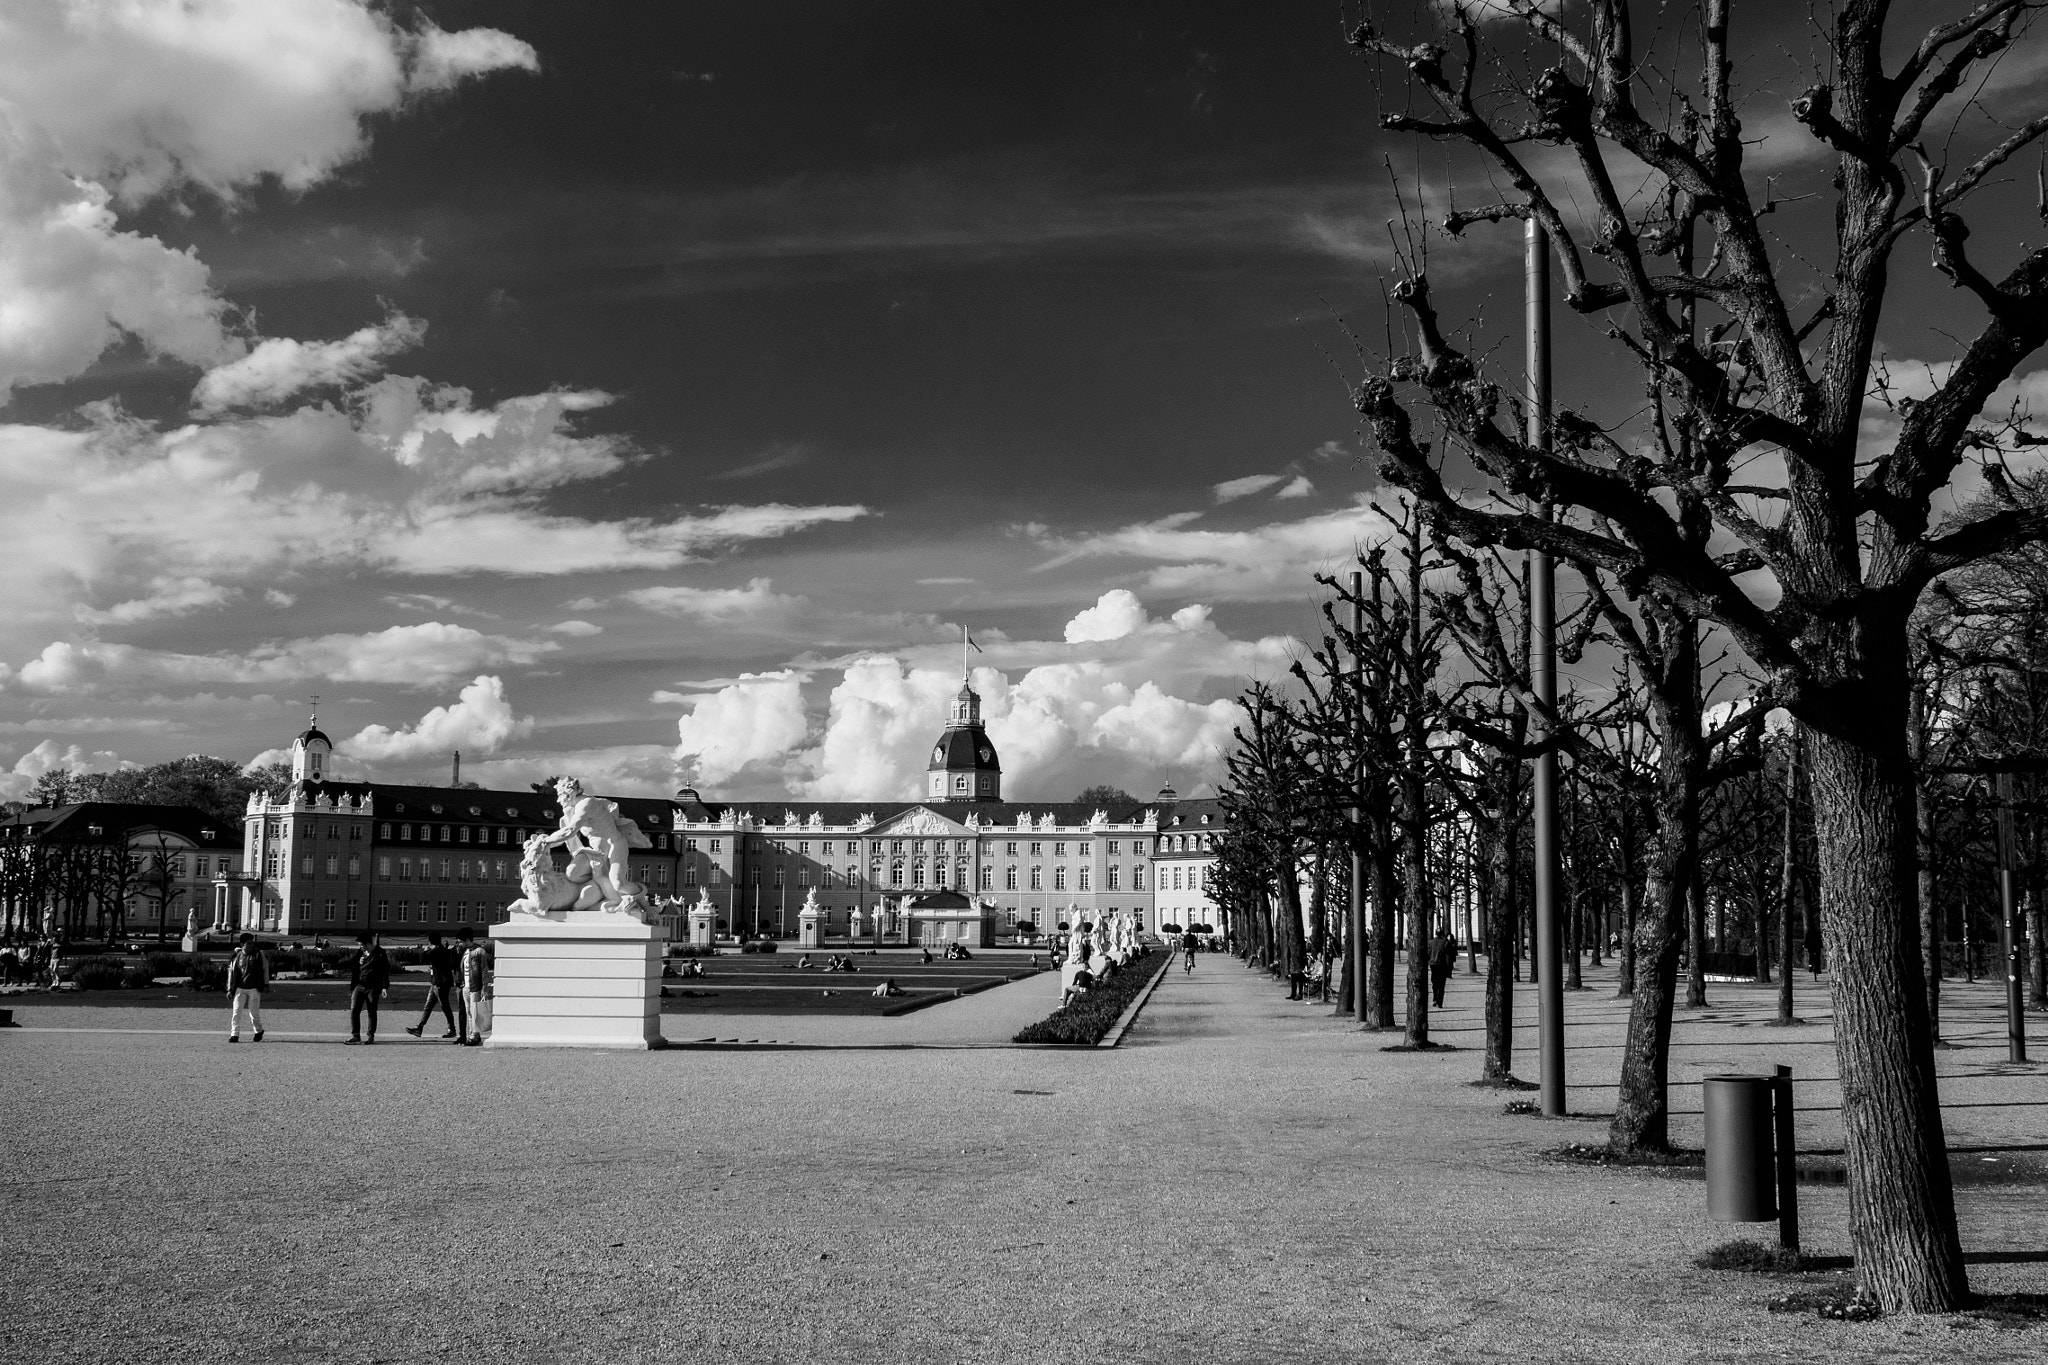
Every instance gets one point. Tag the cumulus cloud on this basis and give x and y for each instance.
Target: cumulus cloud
(479, 722)
(50, 756)
(759, 717)
(221, 93)
(1298, 487)
(611, 770)
(577, 628)
(422, 655)
(280, 367)
(1116, 613)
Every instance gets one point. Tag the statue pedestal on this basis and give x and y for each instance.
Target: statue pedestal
(588, 979)
(703, 927)
(810, 929)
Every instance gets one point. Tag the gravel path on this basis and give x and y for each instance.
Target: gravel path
(1244, 1179)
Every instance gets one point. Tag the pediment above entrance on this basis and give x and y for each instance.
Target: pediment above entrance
(922, 822)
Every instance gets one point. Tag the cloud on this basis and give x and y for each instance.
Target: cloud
(278, 599)
(1300, 487)
(50, 756)
(578, 628)
(1261, 563)
(776, 457)
(1232, 489)
(146, 95)
(758, 718)
(1116, 613)
(759, 612)
(280, 367)
(411, 479)
(1069, 713)
(480, 721)
(613, 770)
(422, 655)
(167, 597)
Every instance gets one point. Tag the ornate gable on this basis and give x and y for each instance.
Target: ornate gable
(921, 822)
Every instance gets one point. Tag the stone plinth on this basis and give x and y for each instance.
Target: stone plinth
(703, 926)
(810, 932)
(585, 979)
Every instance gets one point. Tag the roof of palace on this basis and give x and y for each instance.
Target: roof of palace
(473, 805)
(993, 815)
(964, 748)
(76, 821)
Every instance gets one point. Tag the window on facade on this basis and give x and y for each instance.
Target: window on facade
(917, 872)
(1084, 879)
(1115, 847)
(826, 848)
(405, 831)
(355, 867)
(1195, 878)
(778, 876)
(1010, 849)
(1059, 879)
(689, 874)
(329, 908)
(383, 867)
(444, 869)
(757, 878)
(333, 864)
(803, 876)
(803, 847)
(1059, 850)
(440, 912)
(270, 864)
(461, 911)
(715, 845)
(896, 846)
(1010, 917)
(404, 909)
(988, 879)
(1113, 870)
(383, 911)
(1138, 877)
(383, 831)
(405, 869)
(896, 872)
(1038, 879)
(1009, 879)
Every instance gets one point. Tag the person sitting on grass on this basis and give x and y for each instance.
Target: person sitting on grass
(1077, 987)
(803, 964)
(927, 955)
(888, 988)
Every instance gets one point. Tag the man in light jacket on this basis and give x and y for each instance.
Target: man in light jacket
(248, 978)
(476, 962)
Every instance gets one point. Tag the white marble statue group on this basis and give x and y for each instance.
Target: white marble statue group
(599, 839)
(1095, 951)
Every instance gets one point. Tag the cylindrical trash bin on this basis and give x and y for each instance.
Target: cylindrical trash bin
(1741, 1176)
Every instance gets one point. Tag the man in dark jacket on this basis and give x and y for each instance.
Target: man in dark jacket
(368, 976)
(441, 963)
(1443, 960)
(248, 978)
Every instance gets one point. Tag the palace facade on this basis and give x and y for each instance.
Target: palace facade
(337, 857)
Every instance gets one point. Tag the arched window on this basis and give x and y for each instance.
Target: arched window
(896, 872)
(917, 873)
(1009, 879)
(960, 875)
(1038, 879)
(988, 878)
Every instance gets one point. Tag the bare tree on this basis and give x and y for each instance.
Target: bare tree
(1814, 573)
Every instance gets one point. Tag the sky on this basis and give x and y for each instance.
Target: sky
(656, 392)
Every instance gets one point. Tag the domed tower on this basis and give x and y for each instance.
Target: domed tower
(964, 766)
(310, 752)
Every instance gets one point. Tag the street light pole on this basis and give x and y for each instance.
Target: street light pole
(1543, 665)
(2014, 933)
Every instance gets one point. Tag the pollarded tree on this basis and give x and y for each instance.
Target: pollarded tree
(1822, 550)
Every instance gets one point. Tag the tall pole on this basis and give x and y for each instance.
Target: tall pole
(1543, 665)
(2015, 935)
(1361, 960)
(1789, 883)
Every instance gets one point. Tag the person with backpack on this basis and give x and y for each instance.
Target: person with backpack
(369, 975)
(476, 965)
(248, 978)
(442, 962)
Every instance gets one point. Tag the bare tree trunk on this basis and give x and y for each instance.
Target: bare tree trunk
(1788, 887)
(1923, 851)
(1902, 1205)
(1627, 986)
(1380, 1004)
(1503, 932)
(1416, 896)
(1696, 942)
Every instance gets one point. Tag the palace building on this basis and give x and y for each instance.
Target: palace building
(339, 857)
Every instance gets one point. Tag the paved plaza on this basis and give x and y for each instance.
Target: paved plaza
(1243, 1179)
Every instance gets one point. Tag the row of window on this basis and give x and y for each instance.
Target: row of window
(1083, 848)
(920, 876)
(406, 912)
(456, 869)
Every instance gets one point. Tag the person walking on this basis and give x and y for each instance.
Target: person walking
(442, 962)
(1443, 960)
(368, 975)
(475, 968)
(248, 978)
